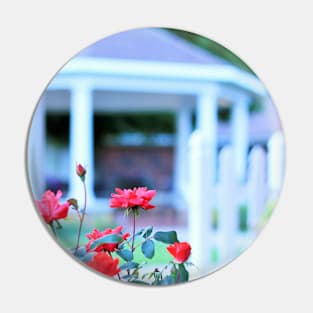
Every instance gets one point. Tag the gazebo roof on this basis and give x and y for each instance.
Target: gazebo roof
(160, 62)
(150, 44)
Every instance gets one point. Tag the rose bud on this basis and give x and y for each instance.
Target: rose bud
(80, 171)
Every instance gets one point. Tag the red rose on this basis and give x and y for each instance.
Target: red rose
(96, 234)
(180, 251)
(130, 198)
(50, 208)
(104, 264)
(80, 170)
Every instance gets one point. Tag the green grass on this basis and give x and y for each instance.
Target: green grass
(161, 255)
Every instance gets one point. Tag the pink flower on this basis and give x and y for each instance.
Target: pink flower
(50, 207)
(96, 234)
(104, 264)
(180, 251)
(131, 198)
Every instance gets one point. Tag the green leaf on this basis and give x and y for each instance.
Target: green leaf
(129, 266)
(121, 246)
(151, 275)
(125, 254)
(73, 202)
(81, 251)
(136, 211)
(136, 272)
(147, 249)
(182, 274)
(87, 257)
(157, 277)
(106, 239)
(166, 236)
(83, 255)
(167, 280)
(147, 232)
(59, 226)
(129, 277)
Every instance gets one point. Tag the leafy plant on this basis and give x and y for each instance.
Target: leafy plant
(112, 252)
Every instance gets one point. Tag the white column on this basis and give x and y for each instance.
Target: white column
(207, 122)
(183, 131)
(240, 135)
(36, 150)
(81, 140)
(276, 163)
(203, 148)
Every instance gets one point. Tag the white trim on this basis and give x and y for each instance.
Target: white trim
(134, 72)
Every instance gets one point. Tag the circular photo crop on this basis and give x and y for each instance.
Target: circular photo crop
(155, 156)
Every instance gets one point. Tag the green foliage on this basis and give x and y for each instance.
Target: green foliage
(212, 47)
(268, 212)
(243, 218)
(214, 255)
(125, 254)
(82, 254)
(161, 256)
(166, 236)
(167, 280)
(106, 239)
(88, 257)
(129, 266)
(147, 249)
(146, 232)
(182, 274)
(74, 203)
(255, 106)
(215, 218)
(113, 124)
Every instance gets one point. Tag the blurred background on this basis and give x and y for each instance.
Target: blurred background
(173, 111)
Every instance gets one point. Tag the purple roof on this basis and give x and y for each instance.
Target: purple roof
(150, 44)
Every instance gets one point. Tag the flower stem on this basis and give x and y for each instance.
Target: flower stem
(53, 229)
(82, 217)
(134, 229)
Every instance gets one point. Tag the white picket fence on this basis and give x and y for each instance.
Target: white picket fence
(225, 195)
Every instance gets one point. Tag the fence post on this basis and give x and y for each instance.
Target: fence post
(240, 134)
(227, 203)
(200, 200)
(276, 163)
(256, 187)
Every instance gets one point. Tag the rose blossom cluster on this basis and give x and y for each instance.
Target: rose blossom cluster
(107, 249)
